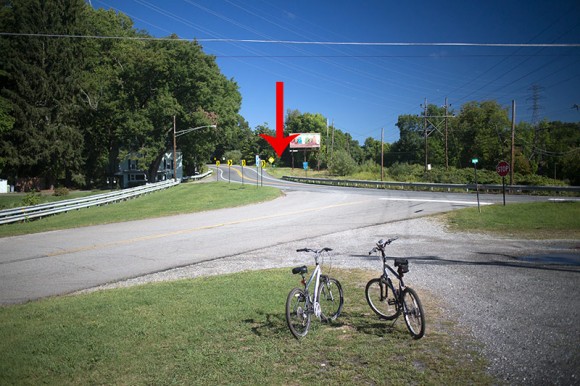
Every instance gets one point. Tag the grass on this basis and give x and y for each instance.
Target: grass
(541, 220)
(184, 198)
(13, 200)
(226, 330)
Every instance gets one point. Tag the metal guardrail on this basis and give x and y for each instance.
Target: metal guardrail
(430, 186)
(25, 213)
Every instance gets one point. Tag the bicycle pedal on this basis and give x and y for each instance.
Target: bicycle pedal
(391, 302)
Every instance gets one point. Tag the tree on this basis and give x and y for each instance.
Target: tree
(484, 130)
(342, 163)
(410, 146)
(41, 78)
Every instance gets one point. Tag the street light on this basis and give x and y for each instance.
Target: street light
(178, 134)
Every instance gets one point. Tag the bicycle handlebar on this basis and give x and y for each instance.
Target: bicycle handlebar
(314, 250)
(381, 244)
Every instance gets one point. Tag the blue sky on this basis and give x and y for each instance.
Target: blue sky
(363, 88)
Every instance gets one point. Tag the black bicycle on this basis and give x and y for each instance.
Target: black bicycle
(390, 301)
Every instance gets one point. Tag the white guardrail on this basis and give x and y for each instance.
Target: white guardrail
(25, 213)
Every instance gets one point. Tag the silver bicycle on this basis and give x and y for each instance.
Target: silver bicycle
(324, 300)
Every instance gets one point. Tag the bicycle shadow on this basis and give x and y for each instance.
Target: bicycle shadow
(270, 325)
(369, 325)
(516, 262)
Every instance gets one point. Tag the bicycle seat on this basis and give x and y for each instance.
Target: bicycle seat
(300, 270)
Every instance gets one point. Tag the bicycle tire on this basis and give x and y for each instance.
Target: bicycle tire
(297, 313)
(330, 297)
(413, 313)
(381, 299)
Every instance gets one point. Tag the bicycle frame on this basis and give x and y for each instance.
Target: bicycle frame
(398, 275)
(313, 300)
(325, 303)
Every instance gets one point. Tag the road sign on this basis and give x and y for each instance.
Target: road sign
(263, 163)
(230, 162)
(243, 162)
(257, 160)
(503, 168)
(217, 163)
(305, 165)
(474, 161)
(271, 160)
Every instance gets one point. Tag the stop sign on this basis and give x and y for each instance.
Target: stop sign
(503, 168)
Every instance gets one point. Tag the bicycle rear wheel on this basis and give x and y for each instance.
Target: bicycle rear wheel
(297, 314)
(413, 312)
(381, 298)
(330, 297)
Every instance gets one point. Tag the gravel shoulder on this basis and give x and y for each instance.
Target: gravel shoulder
(525, 312)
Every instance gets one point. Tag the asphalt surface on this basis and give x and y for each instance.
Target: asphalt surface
(524, 312)
(519, 298)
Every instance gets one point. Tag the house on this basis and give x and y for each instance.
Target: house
(133, 171)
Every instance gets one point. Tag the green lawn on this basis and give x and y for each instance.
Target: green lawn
(542, 220)
(184, 198)
(226, 330)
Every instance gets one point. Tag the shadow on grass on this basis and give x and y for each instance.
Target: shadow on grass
(269, 325)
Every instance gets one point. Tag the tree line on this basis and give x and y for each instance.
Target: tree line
(71, 109)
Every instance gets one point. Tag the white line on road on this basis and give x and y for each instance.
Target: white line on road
(431, 200)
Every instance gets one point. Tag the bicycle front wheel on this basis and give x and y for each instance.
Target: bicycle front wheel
(381, 298)
(297, 313)
(413, 312)
(330, 297)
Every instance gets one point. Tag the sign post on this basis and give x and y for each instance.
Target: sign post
(243, 164)
(503, 168)
(263, 164)
(475, 161)
(257, 170)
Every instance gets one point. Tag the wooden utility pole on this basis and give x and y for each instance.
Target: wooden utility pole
(446, 146)
(513, 158)
(425, 129)
(382, 151)
(174, 152)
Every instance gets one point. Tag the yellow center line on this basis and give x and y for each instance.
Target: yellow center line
(192, 230)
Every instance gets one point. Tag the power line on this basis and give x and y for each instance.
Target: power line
(303, 42)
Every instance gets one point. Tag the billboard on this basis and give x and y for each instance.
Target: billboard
(306, 141)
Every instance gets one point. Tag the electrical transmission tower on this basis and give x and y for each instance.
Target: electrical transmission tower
(430, 125)
(536, 107)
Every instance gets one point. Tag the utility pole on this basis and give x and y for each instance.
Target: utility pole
(425, 130)
(513, 158)
(332, 146)
(435, 127)
(446, 146)
(174, 152)
(382, 151)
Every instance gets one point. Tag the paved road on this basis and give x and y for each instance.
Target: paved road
(53, 263)
(525, 313)
(59, 262)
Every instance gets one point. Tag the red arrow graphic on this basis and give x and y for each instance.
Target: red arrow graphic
(279, 142)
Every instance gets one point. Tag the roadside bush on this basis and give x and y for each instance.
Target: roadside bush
(61, 191)
(342, 163)
(32, 198)
(406, 172)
